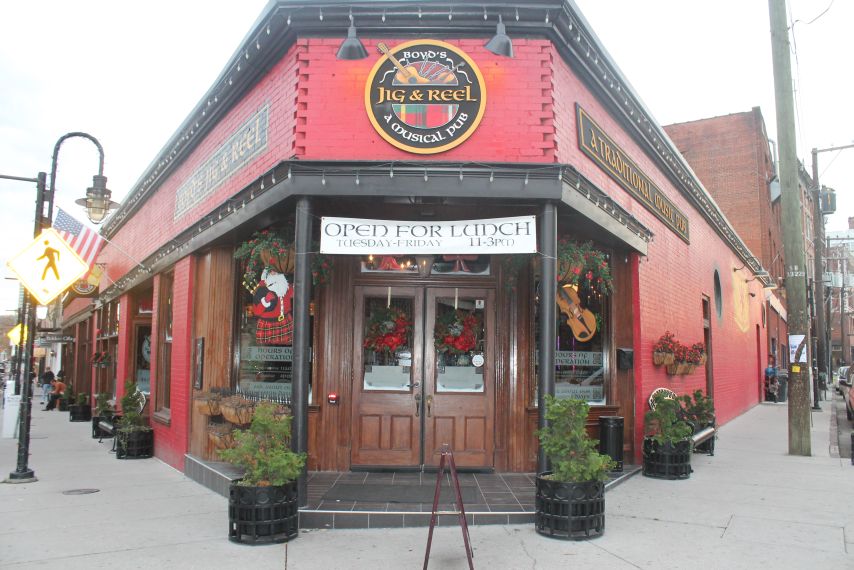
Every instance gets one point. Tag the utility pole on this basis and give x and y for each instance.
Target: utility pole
(793, 234)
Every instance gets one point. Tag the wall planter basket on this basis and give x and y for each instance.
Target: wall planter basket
(237, 410)
(263, 515)
(136, 444)
(79, 413)
(571, 511)
(207, 404)
(220, 436)
(666, 460)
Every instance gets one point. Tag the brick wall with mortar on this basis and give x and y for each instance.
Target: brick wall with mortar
(731, 157)
(514, 126)
(675, 276)
(154, 223)
(171, 438)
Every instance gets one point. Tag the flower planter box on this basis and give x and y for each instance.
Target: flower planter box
(79, 413)
(263, 515)
(666, 461)
(570, 511)
(135, 444)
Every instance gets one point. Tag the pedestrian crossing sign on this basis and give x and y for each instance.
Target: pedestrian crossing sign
(48, 266)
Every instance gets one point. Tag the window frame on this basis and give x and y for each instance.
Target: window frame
(163, 387)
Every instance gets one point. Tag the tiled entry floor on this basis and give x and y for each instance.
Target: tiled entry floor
(501, 498)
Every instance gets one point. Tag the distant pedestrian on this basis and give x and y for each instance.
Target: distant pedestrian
(55, 394)
(772, 385)
(46, 380)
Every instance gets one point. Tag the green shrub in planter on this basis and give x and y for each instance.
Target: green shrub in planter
(570, 499)
(699, 411)
(263, 505)
(667, 440)
(135, 440)
(80, 410)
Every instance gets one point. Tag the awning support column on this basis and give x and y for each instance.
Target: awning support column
(547, 322)
(302, 364)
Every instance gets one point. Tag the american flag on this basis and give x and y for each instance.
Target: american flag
(82, 239)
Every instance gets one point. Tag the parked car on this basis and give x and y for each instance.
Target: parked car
(842, 378)
(845, 385)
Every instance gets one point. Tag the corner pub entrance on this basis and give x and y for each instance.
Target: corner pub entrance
(387, 348)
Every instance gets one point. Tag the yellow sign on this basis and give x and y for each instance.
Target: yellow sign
(48, 266)
(796, 368)
(15, 334)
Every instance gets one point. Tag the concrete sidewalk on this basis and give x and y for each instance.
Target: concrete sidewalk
(749, 506)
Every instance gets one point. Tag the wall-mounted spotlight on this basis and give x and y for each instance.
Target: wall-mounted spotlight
(500, 44)
(351, 48)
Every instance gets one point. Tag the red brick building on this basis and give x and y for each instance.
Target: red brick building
(549, 150)
(733, 158)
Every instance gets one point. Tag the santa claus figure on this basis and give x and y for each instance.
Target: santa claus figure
(272, 304)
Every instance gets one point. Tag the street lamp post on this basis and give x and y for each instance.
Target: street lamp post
(97, 203)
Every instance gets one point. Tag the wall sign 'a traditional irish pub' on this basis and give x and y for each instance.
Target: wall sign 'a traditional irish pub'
(593, 142)
(425, 96)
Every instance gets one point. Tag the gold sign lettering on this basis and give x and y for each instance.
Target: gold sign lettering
(599, 147)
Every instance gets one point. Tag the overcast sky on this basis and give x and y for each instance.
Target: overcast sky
(129, 74)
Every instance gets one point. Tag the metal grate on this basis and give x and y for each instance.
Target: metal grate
(80, 491)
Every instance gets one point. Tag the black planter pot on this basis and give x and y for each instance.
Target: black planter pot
(135, 444)
(79, 413)
(571, 511)
(263, 515)
(667, 461)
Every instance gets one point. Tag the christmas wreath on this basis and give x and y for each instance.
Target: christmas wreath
(388, 329)
(456, 331)
(269, 249)
(583, 265)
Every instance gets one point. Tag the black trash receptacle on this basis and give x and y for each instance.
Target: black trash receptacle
(611, 438)
(783, 379)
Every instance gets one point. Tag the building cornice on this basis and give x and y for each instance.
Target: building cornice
(282, 22)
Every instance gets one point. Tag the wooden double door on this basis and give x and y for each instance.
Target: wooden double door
(423, 376)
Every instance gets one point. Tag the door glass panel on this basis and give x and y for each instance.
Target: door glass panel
(459, 344)
(387, 344)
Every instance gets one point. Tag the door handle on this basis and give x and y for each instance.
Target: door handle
(429, 404)
(417, 404)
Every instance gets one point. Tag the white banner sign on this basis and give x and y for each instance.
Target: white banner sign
(351, 236)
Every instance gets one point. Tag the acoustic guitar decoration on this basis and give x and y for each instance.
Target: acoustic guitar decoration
(582, 322)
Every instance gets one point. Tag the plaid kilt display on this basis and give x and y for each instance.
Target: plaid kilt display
(276, 332)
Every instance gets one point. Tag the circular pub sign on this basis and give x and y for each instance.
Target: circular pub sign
(425, 96)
